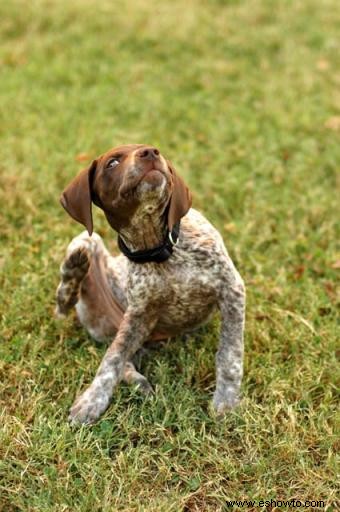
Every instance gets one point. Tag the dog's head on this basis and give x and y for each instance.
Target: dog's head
(122, 181)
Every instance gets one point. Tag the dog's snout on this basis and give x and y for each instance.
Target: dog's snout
(148, 154)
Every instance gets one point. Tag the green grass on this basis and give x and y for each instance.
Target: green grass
(244, 97)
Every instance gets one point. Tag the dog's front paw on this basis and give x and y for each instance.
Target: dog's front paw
(223, 402)
(88, 407)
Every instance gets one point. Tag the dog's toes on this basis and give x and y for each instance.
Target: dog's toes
(87, 408)
(79, 257)
(82, 414)
(76, 264)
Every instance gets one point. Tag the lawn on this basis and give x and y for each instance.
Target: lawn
(244, 98)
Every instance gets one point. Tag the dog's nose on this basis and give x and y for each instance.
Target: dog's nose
(148, 154)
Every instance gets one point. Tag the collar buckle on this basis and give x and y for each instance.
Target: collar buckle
(171, 239)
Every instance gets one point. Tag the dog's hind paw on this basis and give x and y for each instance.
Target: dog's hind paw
(76, 264)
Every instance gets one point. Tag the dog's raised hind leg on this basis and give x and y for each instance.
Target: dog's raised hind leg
(72, 272)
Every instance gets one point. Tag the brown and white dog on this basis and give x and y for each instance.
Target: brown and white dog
(181, 274)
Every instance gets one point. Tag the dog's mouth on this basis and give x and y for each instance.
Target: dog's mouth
(153, 176)
(153, 180)
(152, 172)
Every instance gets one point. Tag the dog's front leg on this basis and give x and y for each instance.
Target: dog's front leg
(133, 331)
(229, 357)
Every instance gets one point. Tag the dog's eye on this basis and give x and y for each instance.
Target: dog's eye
(113, 162)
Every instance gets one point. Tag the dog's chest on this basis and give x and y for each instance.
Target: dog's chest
(182, 293)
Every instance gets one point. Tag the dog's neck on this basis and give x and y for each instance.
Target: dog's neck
(144, 232)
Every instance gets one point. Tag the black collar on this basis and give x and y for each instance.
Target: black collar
(157, 254)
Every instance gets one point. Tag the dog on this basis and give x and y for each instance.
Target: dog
(173, 273)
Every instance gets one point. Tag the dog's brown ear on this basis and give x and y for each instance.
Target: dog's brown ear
(180, 200)
(76, 198)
